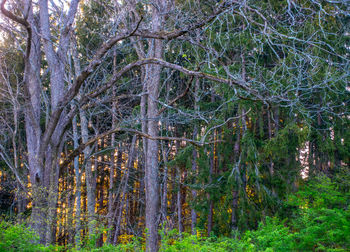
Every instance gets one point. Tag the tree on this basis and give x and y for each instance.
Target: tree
(223, 76)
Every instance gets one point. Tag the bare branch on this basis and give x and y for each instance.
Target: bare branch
(74, 89)
(21, 21)
(81, 147)
(178, 97)
(177, 33)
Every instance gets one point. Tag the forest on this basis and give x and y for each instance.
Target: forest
(174, 125)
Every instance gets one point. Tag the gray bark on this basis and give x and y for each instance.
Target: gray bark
(179, 195)
(152, 183)
(77, 185)
(164, 201)
(90, 181)
(111, 193)
(123, 195)
(194, 162)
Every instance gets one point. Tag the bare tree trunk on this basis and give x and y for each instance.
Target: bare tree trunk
(77, 238)
(179, 195)
(179, 204)
(165, 149)
(152, 188)
(77, 185)
(244, 124)
(111, 193)
(90, 182)
(152, 183)
(43, 158)
(164, 202)
(236, 153)
(239, 166)
(141, 194)
(32, 91)
(70, 238)
(53, 169)
(269, 124)
(123, 195)
(211, 169)
(210, 210)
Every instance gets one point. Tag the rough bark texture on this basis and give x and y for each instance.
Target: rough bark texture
(152, 183)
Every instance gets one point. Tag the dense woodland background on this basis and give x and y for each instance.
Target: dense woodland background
(137, 123)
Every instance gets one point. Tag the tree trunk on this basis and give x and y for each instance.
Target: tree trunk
(123, 194)
(193, 191)
(152, 183)
(111, 193)
(77, 185)
(90, 181)
(164, 202)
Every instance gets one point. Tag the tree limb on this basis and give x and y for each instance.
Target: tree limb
(178, 97)
(74, 89)
(81, 147)
(225, 5)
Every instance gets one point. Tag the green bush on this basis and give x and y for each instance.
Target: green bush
(323, 217)
(173, 241)
(18, 237)
(273, 234)
(323, 229)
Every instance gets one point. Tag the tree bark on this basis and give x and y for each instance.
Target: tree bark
(123, 195)
(77, 186)
(152, 183)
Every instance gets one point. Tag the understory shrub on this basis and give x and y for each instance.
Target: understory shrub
(18, 237)
(319, 221)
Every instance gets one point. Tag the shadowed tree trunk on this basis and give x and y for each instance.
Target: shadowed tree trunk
(153, 81)
(123, 193)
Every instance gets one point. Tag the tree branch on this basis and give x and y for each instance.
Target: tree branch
(81, 147)
(225, 5)
(232, 82)
(22, 21)
(74, 89)
(178, 97)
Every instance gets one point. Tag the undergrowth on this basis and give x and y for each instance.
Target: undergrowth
(320, 221)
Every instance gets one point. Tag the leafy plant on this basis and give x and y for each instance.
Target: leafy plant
(19, 237)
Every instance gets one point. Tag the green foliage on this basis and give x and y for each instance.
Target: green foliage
(18, 237)
(319, 193)
(286, 142)
(320, 221)
(323, 228)
(135, 245)
(323, 216)
(271, 234)
(173, 241)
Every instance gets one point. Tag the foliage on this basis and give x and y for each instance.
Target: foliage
(134, 245)
(18, 237)
(271, 234)
(323, 215)
(319, 221)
